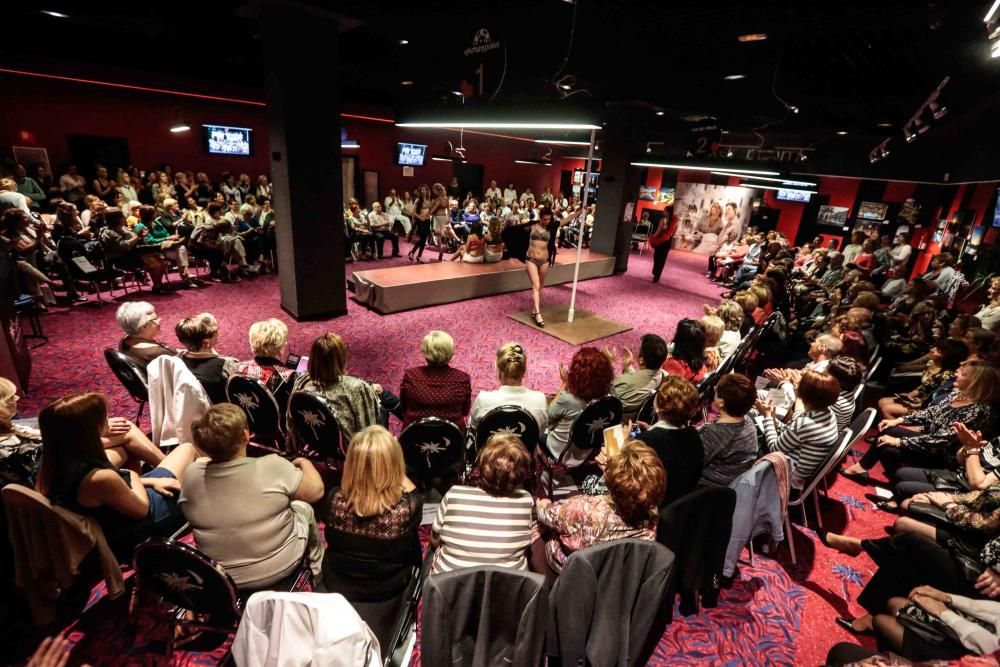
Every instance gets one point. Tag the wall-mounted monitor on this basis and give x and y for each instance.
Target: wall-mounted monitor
(870, 210)
(793, 195)
(996, 211)
(411, 155)
(227, 140)
(835, 216)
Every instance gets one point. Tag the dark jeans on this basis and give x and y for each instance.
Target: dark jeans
(893, 458)
(389, 404)
(911, 481)
(660, 260)
(422, 228)
(380, 238)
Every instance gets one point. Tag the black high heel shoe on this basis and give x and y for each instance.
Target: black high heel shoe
(538, 320)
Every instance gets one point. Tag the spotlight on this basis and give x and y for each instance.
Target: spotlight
(457, 93)
(793, 109)
(406, 83)
(910, 137)
(753, 37)
(648, 149)
(729, 153)
(659, 113)
(885, 124)
(734, 77)
(842, 132)
(565, 86)
(404, 42)
(803, 157)
(57, 15)
(180, 127)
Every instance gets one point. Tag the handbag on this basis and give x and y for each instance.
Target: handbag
(925, 626)
(948, 480)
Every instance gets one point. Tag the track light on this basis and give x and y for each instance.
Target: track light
(793, 108)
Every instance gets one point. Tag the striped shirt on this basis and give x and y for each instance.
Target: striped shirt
(843, 409)
(808, 440)
(476, 528)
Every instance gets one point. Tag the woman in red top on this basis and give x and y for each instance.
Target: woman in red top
(765, 304)
(437, 389)
(687, 358)
(866, 260)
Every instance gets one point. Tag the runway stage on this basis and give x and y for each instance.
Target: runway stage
(434, 283)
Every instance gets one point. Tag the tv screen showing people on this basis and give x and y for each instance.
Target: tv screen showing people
(410, 155)
(226, 140)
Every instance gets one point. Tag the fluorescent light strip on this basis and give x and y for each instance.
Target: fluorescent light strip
(993, 10)
(562, 142)
(354, 145)
(764, 178)
(534, 162)
(498, 125)
(742, 172)
(774, 187)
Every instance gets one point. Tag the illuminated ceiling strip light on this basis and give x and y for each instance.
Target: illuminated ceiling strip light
(774, 187)
(562, 142)
(765, 178)
(351, 145)
(742, 172)
(537, 163)
(993, 10)
(131, 87)
(502, 125)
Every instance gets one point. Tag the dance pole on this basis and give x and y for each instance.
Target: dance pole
(583, 224)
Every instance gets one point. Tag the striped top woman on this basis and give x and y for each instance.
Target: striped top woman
(489, 524)
(812, 434)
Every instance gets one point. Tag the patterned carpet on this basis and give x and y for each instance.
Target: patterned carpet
(777, 614)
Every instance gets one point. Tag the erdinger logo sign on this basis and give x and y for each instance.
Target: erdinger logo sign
(482, 42)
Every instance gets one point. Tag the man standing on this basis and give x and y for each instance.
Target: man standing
(661, 240)
(493, 194)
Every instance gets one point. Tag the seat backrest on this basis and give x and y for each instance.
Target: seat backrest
(587, 430)
(508, 419)
(129, 374)
(836, 454)
(860, 425)
(872, 369)
(259, 404)
(647, 411)
(610, 604)
(874, 355)
(431, 446)
(185, 577)
(310, 416)
(484, 615)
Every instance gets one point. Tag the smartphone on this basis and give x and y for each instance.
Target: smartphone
(635, 432)
(292, 361)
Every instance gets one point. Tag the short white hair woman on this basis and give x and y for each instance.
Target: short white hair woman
(141, 324)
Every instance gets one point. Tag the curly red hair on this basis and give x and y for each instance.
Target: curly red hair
(590, 374)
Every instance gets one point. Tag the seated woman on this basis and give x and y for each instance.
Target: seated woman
(372, 522)
(199, 334)
(943, 360)
(354, 403)
(812, 434)
(494, 242)
(748, 302)
(975, 469)
(512, 364)
(589, 377)
(141, 324)
(128, 250)
(714, 328)
(491, 524)
(977, 384)
(677, 445)
(259, 543)
(437, 389)
(687, 357)
(731, 314)
(14, 432)
(269, 344)
(636, 486)
(79, 473)
(848, 373)
(155, 232)
(472, 251)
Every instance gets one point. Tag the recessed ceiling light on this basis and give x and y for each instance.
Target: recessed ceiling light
(753, 37)
(793, 109)
(404, 42)
(457, 92)
(58, 15)
(734, 77)
(406, 83)
(659, 113)
(180, 127)
(885, 124)
(842, 132)
(565, 86)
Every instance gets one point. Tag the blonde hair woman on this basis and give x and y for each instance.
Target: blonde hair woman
(269, 343)
(439, 217)
(437, 389)
(372, 522)
(13, 433)
(511, 365)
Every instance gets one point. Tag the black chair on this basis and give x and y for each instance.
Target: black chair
(316, 430)
(508, 419)
(260, 406)
(585, 434)
(392, 620)
(24, 305)
(431, 446)
(131, 376)
(186, 579)
(647, 411)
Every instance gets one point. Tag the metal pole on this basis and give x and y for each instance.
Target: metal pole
(583, 222)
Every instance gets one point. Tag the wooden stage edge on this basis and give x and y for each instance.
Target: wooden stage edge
(434, 283)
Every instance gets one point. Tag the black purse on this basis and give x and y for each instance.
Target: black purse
(927, 627)
(947, 480)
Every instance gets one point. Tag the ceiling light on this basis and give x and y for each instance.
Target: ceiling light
(58, 15)
(842, 132)
(457, 92)
(729, 153)
(885, 124)
(406, 83)
(565, 86)
(501, 125)
(562, 142)
(404, 42)
(448, 158)
(783, 181)
(659, 113)
(649, 149)
(775, 187)
(350, 143)
(740, 172)
(180, 127)
(910, 138)
(993, 10)
(734, 77)
(537, 163)
(753, 37)
(793, 109)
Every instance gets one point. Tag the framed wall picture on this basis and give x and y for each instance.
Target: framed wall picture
(370, 187)
(30, 156)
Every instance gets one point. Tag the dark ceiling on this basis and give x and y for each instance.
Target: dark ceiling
(847, 65)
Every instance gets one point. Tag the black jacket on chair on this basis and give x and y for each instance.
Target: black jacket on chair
(483, 617)
(697, 528)
(609, 606)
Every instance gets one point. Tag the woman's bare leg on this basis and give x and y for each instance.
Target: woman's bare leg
(536, 285)
(119, 458)
(135, 445)
(905, 524)
(179, 459)
(887, 627)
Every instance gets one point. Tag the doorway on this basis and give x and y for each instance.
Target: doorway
(87, 151)
(470, 178)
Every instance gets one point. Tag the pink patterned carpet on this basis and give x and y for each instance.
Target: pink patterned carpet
(778, 614)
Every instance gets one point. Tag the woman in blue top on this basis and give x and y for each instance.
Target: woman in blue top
(171, 245)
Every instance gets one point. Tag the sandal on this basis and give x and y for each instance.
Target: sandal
(538, 319)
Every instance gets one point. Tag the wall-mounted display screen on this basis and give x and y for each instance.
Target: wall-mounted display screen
(411, 155)
(835, 216)
(226, 140)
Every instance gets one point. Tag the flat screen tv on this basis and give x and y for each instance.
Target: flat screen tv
(410, 155)
(794, 195)
(226, 140)
(869, 210)
(996, 211)
(835, 216)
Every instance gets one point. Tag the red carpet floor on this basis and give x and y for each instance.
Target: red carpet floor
(777, 614)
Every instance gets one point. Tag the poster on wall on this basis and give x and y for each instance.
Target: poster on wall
(647, 193)
(710, 215)
(835, 216)
(31, 157)
(665, 196)
(909, 212)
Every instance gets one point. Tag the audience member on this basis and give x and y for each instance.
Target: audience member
(141, 324)
(677, 445)
(634, 385)
(199, 334)
(436, 389)
(730, 443)
(511, 364)
(687, 357)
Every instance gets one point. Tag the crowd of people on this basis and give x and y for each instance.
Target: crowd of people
(829, 318)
